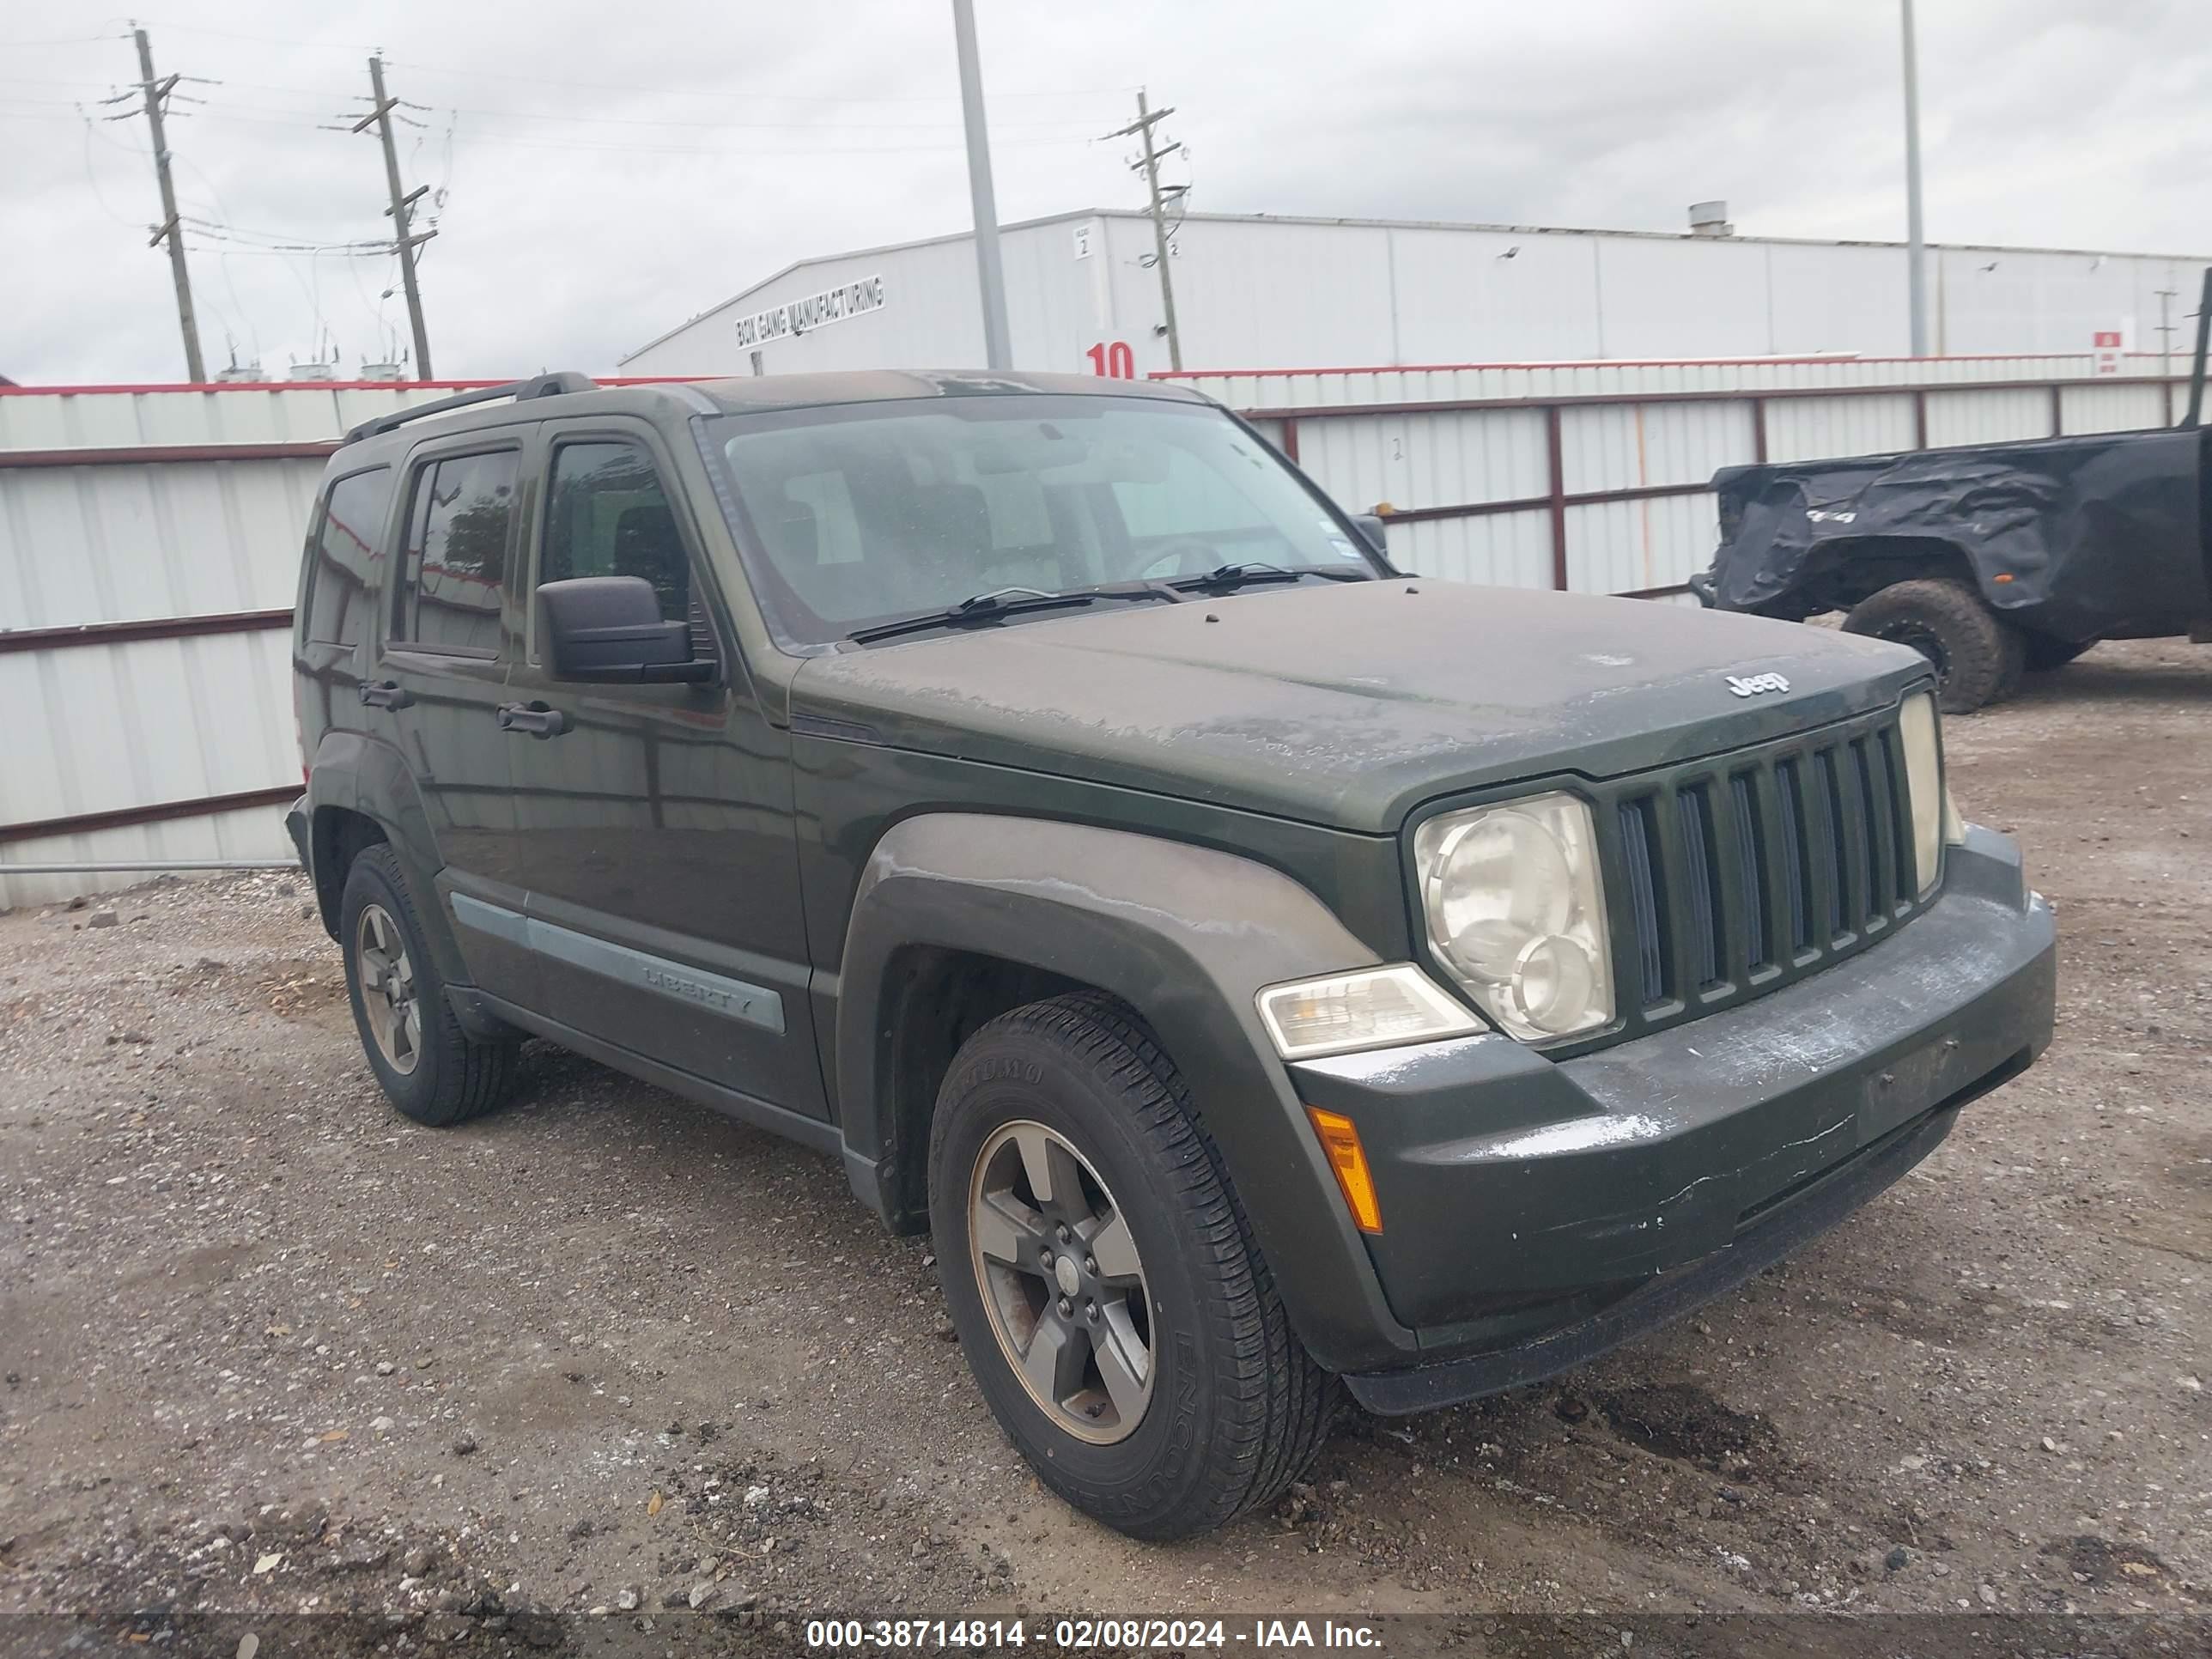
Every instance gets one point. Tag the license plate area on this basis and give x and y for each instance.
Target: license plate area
(1903, 1088)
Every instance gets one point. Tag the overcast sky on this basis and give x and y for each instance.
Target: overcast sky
(602, 173)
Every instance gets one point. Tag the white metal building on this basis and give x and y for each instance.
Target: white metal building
(1259, 292)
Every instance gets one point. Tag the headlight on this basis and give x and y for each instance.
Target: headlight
(1515, 910)
(1924, 781)
(1372, 1008)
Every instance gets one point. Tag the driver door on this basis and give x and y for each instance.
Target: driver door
(655, 824)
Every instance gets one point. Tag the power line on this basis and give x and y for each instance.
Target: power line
(725, 94)
(299, 121)
(62, 40)
(93, 181)
(263, 40)
(313, 101)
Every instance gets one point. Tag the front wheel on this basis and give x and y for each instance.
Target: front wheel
(1977, 658)
(1119, 1319)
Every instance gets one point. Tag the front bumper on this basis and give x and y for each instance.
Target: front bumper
(1537, 1213)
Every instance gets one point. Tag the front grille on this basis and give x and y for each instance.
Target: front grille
(1745, 871)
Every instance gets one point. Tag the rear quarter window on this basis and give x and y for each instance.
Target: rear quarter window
(343, 557)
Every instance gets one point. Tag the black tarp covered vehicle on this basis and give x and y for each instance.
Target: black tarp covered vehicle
(1991, 559)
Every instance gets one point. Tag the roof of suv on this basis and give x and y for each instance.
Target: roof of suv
(751, 395)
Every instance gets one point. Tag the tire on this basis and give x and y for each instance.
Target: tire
(1234, 1408)
(435, 1072)
(2046, 654)
(1978, 659)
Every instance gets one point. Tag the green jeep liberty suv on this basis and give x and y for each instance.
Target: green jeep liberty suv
(1266, 973)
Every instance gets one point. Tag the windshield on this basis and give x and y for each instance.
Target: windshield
(865, 513)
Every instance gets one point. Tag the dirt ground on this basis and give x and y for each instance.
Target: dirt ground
(268, 1346)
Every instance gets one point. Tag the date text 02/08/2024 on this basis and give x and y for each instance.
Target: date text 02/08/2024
(1262, 1635)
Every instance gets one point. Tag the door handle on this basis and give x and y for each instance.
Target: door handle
(534, 718)
(384, 694)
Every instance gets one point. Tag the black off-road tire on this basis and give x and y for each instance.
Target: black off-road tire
(1978, 659)
(2046, 654)
(453, 1075)
(1238, 1408)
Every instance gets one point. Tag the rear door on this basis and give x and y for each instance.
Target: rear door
(449, 633)
(656, 826)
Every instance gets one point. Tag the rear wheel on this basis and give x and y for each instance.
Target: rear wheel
(2045, 654)
(1120, 1321)
(433, 1070)
(1978, 658)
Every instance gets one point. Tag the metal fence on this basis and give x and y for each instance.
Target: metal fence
(1597, 477)
(149, 542)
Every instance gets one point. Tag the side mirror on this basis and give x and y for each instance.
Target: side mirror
(609, 629)
(1370, 526)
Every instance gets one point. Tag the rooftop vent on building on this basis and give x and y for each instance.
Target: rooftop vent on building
(1710, 219)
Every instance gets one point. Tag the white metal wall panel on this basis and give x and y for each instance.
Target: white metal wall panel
(1813, 428)
(1499, 550)
(122, 543)
(1622, 547)
(1255, 292)
(1352, 388)
(1662, 297)
(1526, 299)
(1252, 295)
(97, 727)
(1427, 460)
(2034, 299)
(124, 418)
(930, 318)
(1840, 298)
(257, 833)
(1623, 446)
(2100, 407)
(1987, 417)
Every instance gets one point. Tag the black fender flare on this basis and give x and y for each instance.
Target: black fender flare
(359, 774)
(1186, 936)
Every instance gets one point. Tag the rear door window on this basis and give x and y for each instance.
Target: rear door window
(342, 553)
(459, 526)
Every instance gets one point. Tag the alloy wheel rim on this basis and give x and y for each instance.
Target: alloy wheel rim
(1061, 1281)
(388, 998)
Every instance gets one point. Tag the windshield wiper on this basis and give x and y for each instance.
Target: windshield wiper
(976, 608)
(1009, 602)
(1227, 578)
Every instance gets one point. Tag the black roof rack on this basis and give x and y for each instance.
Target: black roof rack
(540, 385)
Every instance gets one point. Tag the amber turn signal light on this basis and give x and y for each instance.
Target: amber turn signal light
(1341, 1140)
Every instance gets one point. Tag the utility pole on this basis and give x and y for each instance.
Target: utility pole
(990, 275)
(1914, 236)
(1150, 164)
(403, 238)
(170, 230)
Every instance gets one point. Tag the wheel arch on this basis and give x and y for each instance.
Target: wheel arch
(1183, 936)
(1852, 569)
(360, 793)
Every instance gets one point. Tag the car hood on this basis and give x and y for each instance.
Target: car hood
(1346, 704)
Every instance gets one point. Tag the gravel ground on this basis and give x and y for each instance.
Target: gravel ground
(267, 1346)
